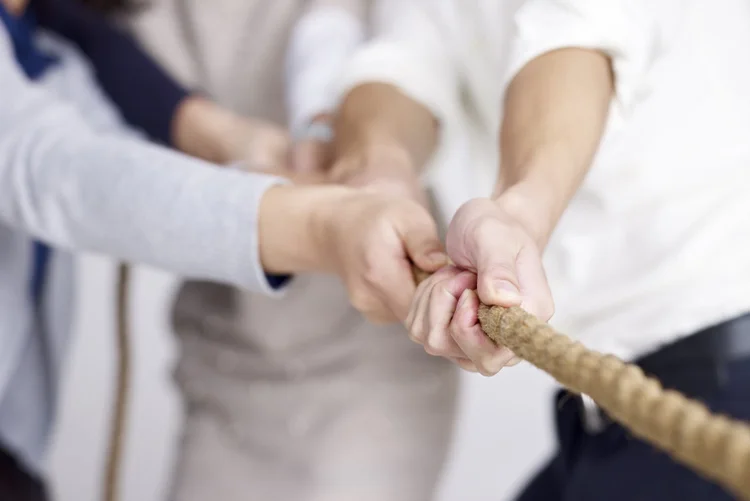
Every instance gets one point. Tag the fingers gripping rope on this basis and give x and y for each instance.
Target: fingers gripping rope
(713, 445)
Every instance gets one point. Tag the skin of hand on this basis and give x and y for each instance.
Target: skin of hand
(484, 240)
(369, 239)
(204, 129)
(555, 114)
(380, 167)
(383, 140)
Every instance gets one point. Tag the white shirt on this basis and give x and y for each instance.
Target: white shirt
(655, 244)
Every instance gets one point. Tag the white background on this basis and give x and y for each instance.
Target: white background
(504, 429)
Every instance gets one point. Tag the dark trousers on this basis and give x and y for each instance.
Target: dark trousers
(611, 465)
(16, 484)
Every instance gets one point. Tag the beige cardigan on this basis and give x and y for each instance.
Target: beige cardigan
(233, 49)
(236, 50)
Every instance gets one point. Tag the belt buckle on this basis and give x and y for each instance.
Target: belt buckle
(592, 419)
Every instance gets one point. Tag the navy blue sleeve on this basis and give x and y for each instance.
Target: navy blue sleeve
(145, 95)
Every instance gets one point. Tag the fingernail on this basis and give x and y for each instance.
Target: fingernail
(437, 257)
(462, 299)
(506, 289)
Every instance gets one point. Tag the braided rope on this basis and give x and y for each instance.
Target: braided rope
(713, 445)
(117, 434)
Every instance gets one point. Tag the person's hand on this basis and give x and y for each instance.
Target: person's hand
(443, 319)
(500, 256)
(206, 130)
(380, 168)
(371, 240)
(257, 145)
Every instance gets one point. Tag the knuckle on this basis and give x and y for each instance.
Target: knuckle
(434, 347)
(416, 335)
(361, 300)
(372, 278)
(430, 350)
(487, 372)
(489, 366)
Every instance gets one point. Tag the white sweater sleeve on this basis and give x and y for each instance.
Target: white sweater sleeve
(321, 43)
(631, 32)
(65, 184)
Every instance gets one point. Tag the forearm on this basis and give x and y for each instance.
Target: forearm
(555, 114)
(145, 94)
(377, 114)
(293, 224)
(200, 128)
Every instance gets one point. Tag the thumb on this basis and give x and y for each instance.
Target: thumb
(497, 282)
(423, 246)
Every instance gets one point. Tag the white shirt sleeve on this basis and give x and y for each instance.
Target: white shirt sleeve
(630, 32)
(411, 52)
(64, 183)
(321, 43)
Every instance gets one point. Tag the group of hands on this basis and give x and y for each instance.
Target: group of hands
(490, 255)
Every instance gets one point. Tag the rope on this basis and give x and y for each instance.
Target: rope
(713, 445)
(111, 482)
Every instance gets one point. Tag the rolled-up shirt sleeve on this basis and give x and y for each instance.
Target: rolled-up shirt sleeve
(69, 186)
(321, 44)
(409, 51)
(630, 32)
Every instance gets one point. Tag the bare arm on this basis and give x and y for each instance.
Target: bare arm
(396, 92)
(378, 116)
(555, 114)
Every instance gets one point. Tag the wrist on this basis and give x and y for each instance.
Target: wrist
(295, 227)
(200, 128)
(380, 113)
(534, 209)
(376, 153)
(536, 188)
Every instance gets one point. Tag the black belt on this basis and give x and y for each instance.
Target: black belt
(695, 365)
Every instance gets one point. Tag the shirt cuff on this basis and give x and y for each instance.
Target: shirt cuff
(249, 244)
(270, 284)
(277, 282)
